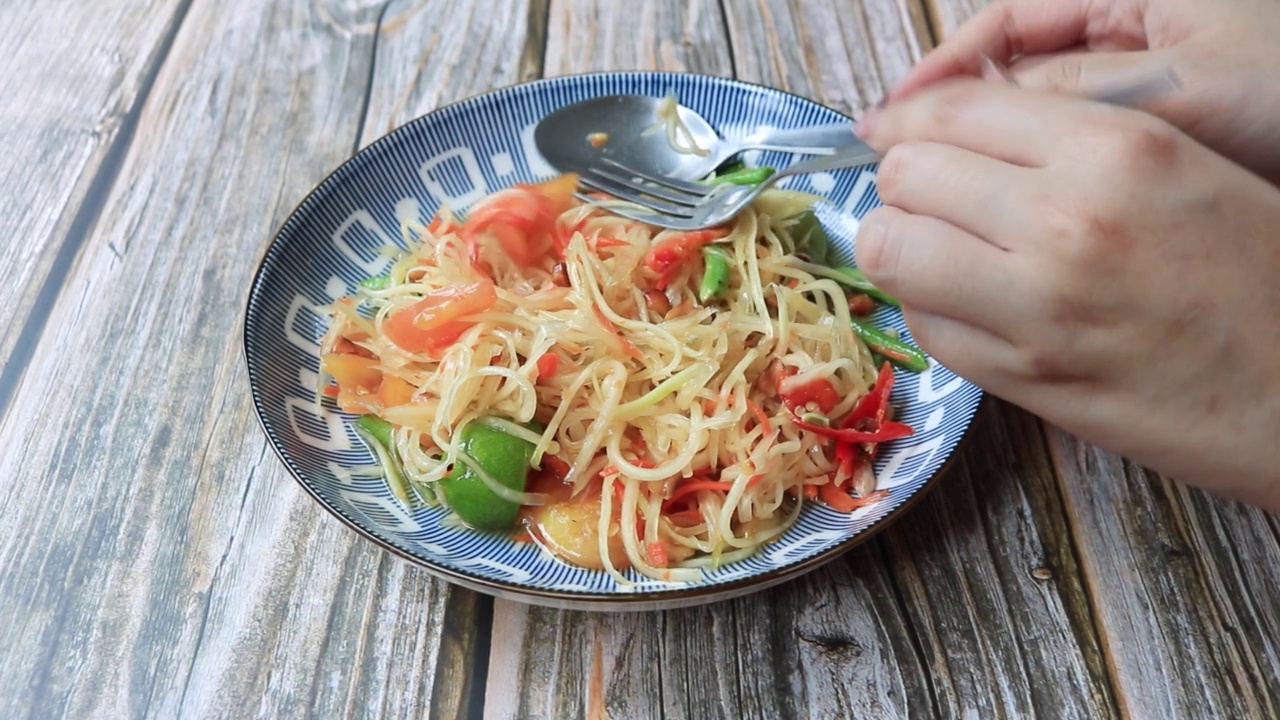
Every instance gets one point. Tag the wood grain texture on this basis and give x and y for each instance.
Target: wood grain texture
(841, 54)
(161, 560)
(941, 616)
(993, 586)
(831, 644)
(1184, 585)
(433, 53)
(947, 15)
(597, 35)
(59, 145)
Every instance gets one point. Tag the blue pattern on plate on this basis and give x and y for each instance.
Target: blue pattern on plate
(455, 156)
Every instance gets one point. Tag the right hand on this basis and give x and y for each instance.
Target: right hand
(1091, 264)
(1223, 52)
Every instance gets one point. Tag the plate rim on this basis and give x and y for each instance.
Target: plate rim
(674, 595)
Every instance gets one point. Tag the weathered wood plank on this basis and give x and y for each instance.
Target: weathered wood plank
(947, 15)
(802, 650)
(1184, 586)
(993, 587)
(843, 55)
(590, 36)
(941, 617)
(161, 561)
(62, 148)
(433, 53)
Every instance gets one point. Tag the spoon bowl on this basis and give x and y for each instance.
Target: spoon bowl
(613, 128)
(621, 129)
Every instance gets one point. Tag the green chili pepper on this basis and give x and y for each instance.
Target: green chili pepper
(745, 176)
(505, 459)
(377, 282)
(377, 427)
(810, 237)
(730, 166)
(900, 353)
(376, 433)
(854, 278)
(715, 274)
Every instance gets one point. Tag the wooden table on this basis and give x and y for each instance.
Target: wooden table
(159, 561)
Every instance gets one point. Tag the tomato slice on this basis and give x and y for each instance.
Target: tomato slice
(432, 322)
(547, 364)
(523, 219)
(818, 390)
(352, 371)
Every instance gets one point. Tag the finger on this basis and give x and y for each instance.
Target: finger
(997, 120)
(971, 352)
(933, 266)
(1139, 76)
(961, 187)
(1002, 31)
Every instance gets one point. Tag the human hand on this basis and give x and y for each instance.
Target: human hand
(1224, 54)
(1093, 265)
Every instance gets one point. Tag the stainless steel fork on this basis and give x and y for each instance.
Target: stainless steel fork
(683, 205)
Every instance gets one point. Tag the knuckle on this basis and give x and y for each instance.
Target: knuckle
(1086, 237)
(952, 103)
(1062, 308)
(876, 252)
(1141, 143)
(1098, 237)
(895, 165)
(1046, 364)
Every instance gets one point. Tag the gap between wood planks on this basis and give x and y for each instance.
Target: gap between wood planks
(85, 219)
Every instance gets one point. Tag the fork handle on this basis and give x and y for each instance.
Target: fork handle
(852, 155)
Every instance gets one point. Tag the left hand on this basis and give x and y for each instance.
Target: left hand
(1093, 265)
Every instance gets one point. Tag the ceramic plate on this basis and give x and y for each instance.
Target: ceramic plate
(457, 155)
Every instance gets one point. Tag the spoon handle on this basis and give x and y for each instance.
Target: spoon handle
(853, 152)
(811, 140)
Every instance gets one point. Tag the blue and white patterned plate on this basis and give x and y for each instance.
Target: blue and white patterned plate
(457, 155)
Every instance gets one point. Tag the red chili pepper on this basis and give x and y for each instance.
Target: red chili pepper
(843, 502)
(694, 486)
(886, 432)
(875, 403)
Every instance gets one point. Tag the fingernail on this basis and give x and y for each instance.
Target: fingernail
(864, 126)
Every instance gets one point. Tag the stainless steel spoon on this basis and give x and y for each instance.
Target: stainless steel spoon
(613, 128)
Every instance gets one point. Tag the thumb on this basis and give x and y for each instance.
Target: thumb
(1100, 75)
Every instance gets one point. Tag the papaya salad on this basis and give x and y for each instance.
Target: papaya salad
(624, 396)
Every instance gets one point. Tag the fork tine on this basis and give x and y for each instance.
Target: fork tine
(638, 197)
(638, 214)
(673, 183)
(676, 196)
